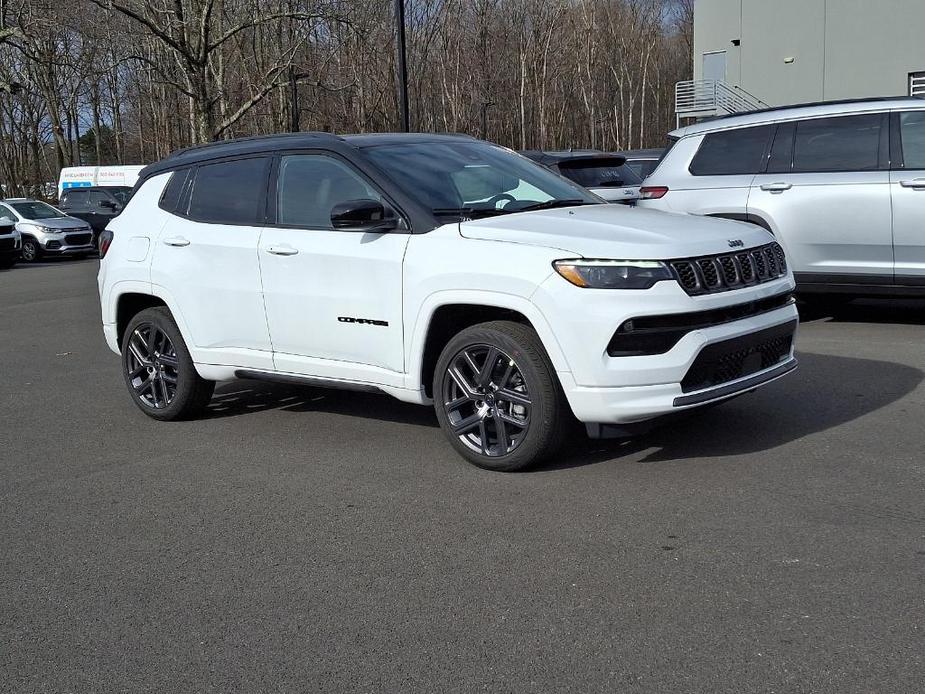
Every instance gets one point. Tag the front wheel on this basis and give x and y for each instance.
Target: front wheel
(31, 251)
(158, 369)
(497, 397)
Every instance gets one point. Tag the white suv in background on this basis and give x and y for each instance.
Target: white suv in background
(436, 269)
(841, 185)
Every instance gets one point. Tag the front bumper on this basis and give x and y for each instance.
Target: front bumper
(631, 389)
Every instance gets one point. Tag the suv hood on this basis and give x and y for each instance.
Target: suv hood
(617, 232)
(63, 223)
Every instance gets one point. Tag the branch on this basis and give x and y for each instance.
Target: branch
(148, 23)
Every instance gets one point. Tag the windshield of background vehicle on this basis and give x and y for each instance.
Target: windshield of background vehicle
(465, 178)
(36, 210)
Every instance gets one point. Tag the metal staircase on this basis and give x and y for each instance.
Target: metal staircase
(710, 98)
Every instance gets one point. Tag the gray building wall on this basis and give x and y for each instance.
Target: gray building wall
(841, 49)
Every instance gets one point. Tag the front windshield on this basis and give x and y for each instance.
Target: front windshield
(121, 194)
(466, 179)
(36, 210)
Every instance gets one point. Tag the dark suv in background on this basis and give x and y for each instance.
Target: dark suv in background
(96, 205)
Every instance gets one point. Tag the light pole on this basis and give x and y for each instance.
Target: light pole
(401, 65)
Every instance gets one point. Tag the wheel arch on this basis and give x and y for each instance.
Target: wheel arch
(130, 304)
(442, 317)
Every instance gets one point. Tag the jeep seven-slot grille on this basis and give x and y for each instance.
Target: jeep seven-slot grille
(721, 273)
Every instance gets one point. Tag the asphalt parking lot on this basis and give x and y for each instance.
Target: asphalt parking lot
(306, 540)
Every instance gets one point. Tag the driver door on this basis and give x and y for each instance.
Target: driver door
(333, 298)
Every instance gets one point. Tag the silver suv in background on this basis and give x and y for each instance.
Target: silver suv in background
(45, 230)
(840, 184)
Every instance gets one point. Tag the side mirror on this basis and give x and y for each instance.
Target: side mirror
(362, 215)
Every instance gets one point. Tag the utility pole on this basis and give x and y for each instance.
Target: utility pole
(294, 108)
(401, 65)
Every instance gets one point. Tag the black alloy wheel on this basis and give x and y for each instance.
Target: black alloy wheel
(497, 397)
(486, 400)
(152, 366)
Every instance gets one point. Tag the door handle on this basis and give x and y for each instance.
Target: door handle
(282, 250)
(177, 241)
(776, 187)
(913, 183)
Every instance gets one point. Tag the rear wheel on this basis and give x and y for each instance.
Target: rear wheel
(158, 369)
(497, 398)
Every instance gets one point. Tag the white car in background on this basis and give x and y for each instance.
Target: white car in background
(841, 185)
(441, 270)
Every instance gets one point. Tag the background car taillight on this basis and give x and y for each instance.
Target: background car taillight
(652, 192)
(105, 243)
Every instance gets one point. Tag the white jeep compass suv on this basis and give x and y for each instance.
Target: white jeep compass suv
(437, 269)
(841, 185)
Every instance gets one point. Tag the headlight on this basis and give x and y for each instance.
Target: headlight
(41, 228)
(613, 274)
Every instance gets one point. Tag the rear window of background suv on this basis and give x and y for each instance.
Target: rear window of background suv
(738, 151)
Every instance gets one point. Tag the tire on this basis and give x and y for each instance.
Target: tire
(471, 402)
(158, 369)
(31, 251)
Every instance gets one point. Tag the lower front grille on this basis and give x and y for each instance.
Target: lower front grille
(739, 357)
(78, 239)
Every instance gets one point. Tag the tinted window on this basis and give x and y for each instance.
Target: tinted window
(452, 176)
(780, 158)
(98, 196)
(121, 194)
(310, 185)
(75, 198)
(599, 173)
(912, 131)
(7, 214)
(229, 192)
(173, 191)
(731, 152)
(846, 143)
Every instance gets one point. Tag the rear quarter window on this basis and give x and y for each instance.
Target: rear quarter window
(229, 192)
(739, 151)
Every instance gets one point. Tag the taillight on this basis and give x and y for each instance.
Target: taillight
(105, 243)
(652, 192)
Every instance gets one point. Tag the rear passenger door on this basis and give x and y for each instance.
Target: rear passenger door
(907, 187)
(205, 260)
(826, 196)
(333, 298)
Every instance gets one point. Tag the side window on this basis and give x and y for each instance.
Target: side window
(229, 192)
(845, 143)
(780, 158)
(912, 133)
(731, 152)
(7, 214)
(173, 191)
(98, 196)
(310, 185)
(76, 199)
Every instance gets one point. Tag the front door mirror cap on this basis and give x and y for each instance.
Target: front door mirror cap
(363, 215)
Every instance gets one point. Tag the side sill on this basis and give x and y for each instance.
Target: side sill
(293, 379)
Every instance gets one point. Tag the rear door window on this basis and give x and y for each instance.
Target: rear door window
(912, 134)
(844, 143)
(229, 192)
(75, 199)
(739, 151)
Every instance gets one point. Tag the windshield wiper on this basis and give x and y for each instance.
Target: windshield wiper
(550, 204)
